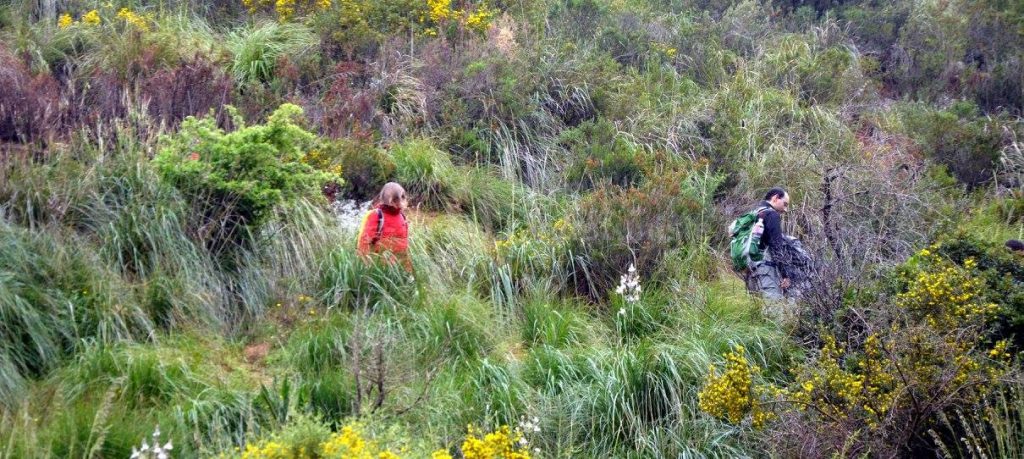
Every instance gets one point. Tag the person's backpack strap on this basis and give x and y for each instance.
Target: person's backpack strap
(748, 243)
(380, 227)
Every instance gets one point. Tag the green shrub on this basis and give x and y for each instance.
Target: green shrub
(644, 318)
(538, 258)
(1003, 273)
(56, 293)
(632, 390)
(235, 179)
(619, 227)
(824, 79)
(600, 155)
(494, 203)
(494, 393)
(96, 426)
(141, 376)
(1011, 208)
(329, 394)
(551, 370)
(319, 348)
(451, 241)
(364, 167)
(969, 147)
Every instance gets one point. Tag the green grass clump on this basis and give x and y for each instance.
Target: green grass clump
(256, 49)
(459, 331)
(53, 296)
(546, 324)
(319, 348)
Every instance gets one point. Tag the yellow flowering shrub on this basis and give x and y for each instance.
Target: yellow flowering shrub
(65, 21)
(503, 443)
(91, 18)
(835, 391)
(945, 294)
(266, 450)
(286, 9)
(480, 20)
(349, 443)
(440, 13)
(323, 162)
(731, 395)
(440, 10)
(134, 19)
(907, 362)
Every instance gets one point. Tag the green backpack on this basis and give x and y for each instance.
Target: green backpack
(743, 248)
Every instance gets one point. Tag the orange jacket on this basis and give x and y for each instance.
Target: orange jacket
(390, 237)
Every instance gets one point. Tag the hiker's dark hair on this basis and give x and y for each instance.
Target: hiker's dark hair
(1015, 245)
(777, 191)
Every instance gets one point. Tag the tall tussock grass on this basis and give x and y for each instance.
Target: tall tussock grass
(57, 293)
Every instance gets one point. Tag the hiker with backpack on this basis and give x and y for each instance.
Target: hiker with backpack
(759, 250)
(385, 230)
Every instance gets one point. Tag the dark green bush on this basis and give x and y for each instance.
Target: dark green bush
(1003, 273)
(968, 146)
(619, 227)
(364, 167)
(823, 78)
(599, 155)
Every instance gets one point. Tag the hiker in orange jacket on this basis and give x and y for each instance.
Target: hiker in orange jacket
(385, 230)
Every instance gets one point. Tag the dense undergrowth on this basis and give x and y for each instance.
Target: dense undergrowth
(168, 257)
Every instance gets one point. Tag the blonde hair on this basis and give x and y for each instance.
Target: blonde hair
(392, 194)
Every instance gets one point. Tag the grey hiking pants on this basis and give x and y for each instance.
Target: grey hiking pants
(765, 279)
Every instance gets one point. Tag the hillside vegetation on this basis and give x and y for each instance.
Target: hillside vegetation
(174, 266)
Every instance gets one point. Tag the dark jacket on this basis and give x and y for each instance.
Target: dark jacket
(773, 239)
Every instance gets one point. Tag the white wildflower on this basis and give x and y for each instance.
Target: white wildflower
(154, 451)
(629, 285)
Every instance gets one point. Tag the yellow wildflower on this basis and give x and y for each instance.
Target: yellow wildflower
(65, 21)
(91, 18)
(441, 454)
(133, 19)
